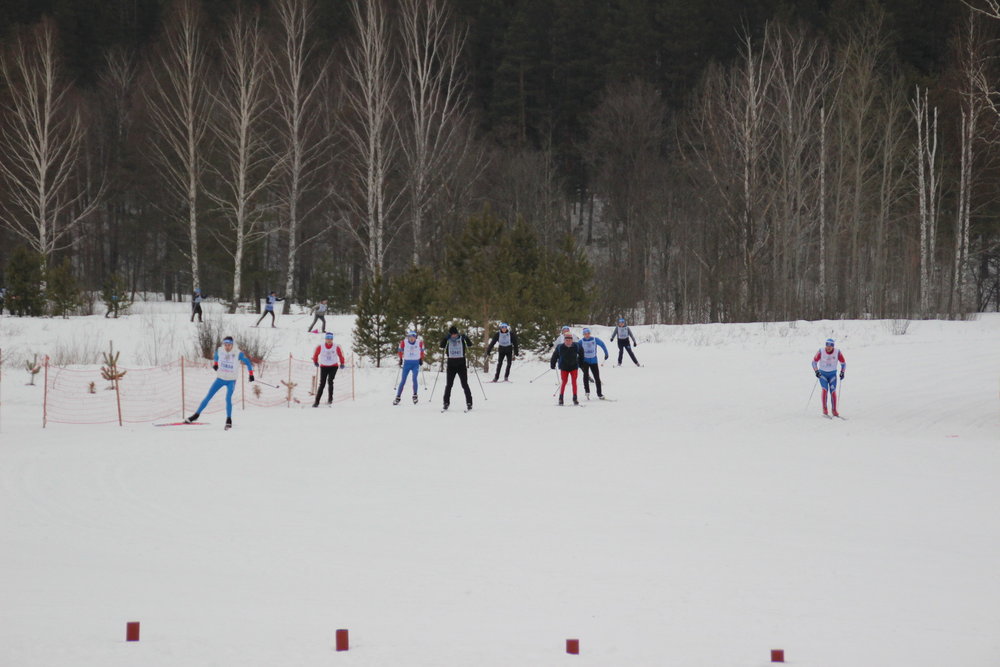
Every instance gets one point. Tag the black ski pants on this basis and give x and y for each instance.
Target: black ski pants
(266, 313)
(457, 367)
(326, 374)
(589, 368)
(504, 353)
(318, 318)
(196, 311)
(625, 346)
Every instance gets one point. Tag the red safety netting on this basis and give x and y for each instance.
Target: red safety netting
(83, 396)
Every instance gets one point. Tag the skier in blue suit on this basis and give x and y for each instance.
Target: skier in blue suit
(226, 362)
(590, 361)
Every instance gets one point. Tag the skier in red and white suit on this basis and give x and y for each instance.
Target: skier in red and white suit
(824, 364)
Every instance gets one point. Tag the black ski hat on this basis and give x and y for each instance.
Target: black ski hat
(453, 330)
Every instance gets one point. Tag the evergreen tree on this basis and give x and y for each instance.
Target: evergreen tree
(24, 291)
(376, 329)
(415, 302)
(498, 272)
(63, 292)
(115, 295)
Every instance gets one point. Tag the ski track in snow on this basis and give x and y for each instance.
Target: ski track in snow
(704, 517)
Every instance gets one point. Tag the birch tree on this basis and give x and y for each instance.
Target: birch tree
(432, 48)
(370, 133)
(42, 137)
(928, 174)
(973, 84)
(246, 167)
(179, 107)
(299, 74)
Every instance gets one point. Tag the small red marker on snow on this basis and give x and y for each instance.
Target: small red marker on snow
(342, 642)
(132, 631)
(777, 655)
(573, 646)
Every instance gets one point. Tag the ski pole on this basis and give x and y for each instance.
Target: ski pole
(815, 384)
(431, 397)
(476, 371)
(267, 384)
(399, 370)
(535, 378)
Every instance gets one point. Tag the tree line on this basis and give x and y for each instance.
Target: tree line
(804, 167)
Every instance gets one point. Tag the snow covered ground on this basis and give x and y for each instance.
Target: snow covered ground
(704, 518)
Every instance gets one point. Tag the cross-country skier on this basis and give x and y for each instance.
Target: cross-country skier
(622, 334)
(196, 299)
(455, 344)
(590, 361)
(226, 364)
(328, 357)
(507, 340)
(319, 315)
(562, 334)
(411, 355)
(272, 299)
(569, 356)
(824, 364)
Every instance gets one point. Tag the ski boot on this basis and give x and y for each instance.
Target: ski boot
(468, 406)
(414, 399)
(229, 423)
(575, 401)
(396, 401)
(193, 418)
(444, 407)
(560, 399)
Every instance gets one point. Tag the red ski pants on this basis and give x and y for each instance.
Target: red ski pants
(565, 376)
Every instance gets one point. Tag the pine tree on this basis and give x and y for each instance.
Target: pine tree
(375, 328)
(24, 289)
(115, 296)
(63, 291)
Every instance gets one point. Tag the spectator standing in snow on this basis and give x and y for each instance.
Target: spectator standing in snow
(455, 344)
(568, 357)
(824, 365)
(622, 334)
(590, 361)
(226, 363)
(507, 340)
(319, 315)
(411, 355)
(272, 299)
(328, 357)
(196, 299)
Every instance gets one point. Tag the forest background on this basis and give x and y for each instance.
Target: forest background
(526, 160)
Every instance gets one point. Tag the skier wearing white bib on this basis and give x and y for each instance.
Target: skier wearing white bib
(226, 363)
(328, 358)
(590, 361)
(824, 365)
(507, 340)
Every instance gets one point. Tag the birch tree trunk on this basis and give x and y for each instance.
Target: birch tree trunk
(927, 171)
(371, 135)
(42, 141)
(298, 78)
(246, 167)
(435, 125)
(180, 107)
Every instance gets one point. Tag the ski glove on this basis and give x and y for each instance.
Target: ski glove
(251, 377)
(215, 367)
(818, 373)
(316, 364)
(841, 375)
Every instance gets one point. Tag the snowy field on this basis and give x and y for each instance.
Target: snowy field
(704, 518)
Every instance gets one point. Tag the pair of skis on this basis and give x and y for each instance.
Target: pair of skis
(228, 426)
